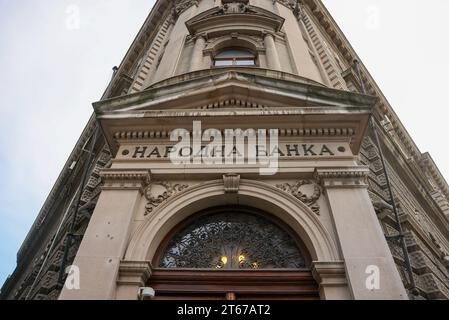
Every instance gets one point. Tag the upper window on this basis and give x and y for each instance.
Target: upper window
(232, 240)
(234, 57)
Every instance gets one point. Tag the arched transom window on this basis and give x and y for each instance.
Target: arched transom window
(234, 57)
(232, 240)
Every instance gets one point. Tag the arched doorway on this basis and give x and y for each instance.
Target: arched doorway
(232, 252)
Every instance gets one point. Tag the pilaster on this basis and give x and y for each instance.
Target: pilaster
(105, 240)
(370, 267)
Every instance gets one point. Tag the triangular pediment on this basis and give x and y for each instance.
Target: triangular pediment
(231, 97)
(257, 87)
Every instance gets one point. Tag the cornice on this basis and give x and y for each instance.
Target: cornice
(146, 34)
(263, 81)
(426, 162)
(232, 15)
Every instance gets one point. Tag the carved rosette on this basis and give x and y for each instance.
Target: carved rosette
(297, 190)
(159, 191)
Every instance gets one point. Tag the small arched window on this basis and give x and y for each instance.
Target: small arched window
(234, 57)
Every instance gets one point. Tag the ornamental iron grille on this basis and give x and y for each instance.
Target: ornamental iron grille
(232, 240)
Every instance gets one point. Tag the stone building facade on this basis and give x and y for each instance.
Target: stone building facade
(322, 224)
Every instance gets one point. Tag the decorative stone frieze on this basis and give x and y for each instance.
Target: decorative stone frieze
(342, 177)
(125, 179)
(309, 199)
(231, 183)
(158, 192)
(288, 132)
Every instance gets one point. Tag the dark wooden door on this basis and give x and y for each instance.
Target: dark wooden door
(234, 285)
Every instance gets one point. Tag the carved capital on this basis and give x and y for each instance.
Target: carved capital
(125, 179)
(329, 273)
(199, 37)
(345, 177)
(266, 33)
(134, 273)
(231, 183)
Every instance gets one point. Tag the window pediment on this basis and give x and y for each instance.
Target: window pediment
(234, 16)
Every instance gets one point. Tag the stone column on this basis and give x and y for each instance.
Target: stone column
(197, 55)
(106, 237)
(271, 52)
(365, 251)
(331, 278)
(132, 276)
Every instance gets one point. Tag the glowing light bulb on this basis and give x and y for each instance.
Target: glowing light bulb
(242, 258)
(224, 260)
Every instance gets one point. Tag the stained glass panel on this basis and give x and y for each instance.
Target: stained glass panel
(232, 241)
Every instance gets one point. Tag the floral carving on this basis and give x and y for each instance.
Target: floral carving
(309, 199)
(157, 192)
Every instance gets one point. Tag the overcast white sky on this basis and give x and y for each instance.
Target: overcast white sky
(53, 66)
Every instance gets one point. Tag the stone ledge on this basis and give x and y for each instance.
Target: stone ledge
(331, 273)
(134, 273)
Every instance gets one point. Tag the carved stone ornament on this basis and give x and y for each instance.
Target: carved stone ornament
(292, 4)
(157, 192)
(231, 183)
(234, 8)
(308, 198)
(183, 5)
